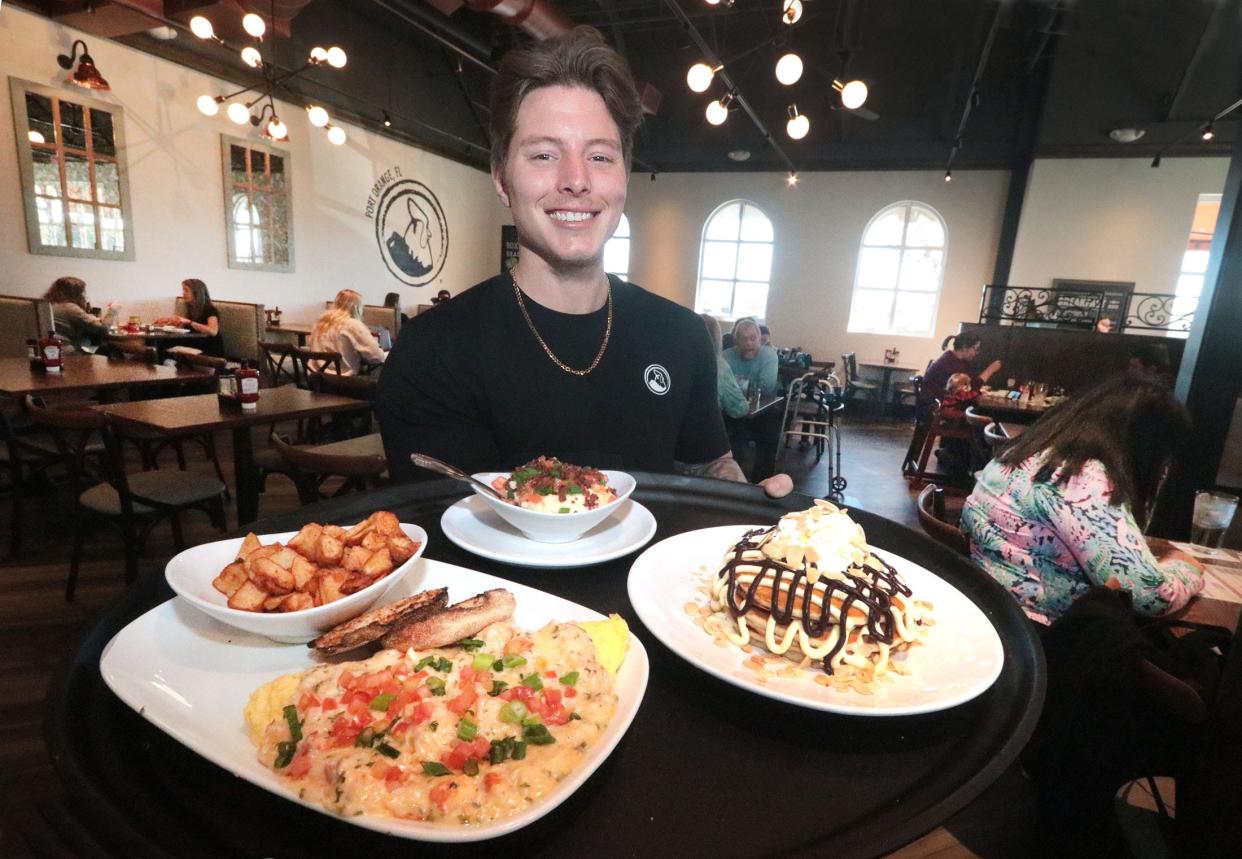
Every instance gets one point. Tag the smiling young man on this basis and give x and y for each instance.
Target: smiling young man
(555, 357)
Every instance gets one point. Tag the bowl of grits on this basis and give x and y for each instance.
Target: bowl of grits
(555, 502)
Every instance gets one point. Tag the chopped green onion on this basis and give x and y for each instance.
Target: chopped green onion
(513, 661)
(574, 489)
(498, 686)
(436, 685)
(513, 711)
(537, 735)
(500, 750)
(546, 490)
(470, 644)
(284, 754)
(532, 719)
(381, 702)
(424, 662)
(470, 767)
(443, 664)
(387, 750)
(533, 681)
(295, 726)
(435, 768)
(467, 730)
(482, 661)
(366, 739)
(570, 679)
(564, 510)
(519, 751)
(498, 665)
(574, 715)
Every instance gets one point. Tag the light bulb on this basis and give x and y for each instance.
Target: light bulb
(36, 136)
(207, 105)
(797, 127)
(792, 179)
(250, 56)
(791, 11)
(254, 25)
(317, 115)
(717, 113)
(276, 128)
(853, 94)
(336, 57)
(319, 55)
(789, 69)
(201, 27)
(699, 78)
(712, 2)
(1208, 132)
(336, 135)
(238, 112)
(948, 175)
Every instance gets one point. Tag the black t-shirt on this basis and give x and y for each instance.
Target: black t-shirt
(467, 382)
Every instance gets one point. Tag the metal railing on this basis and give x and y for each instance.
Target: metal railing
(1084, 309)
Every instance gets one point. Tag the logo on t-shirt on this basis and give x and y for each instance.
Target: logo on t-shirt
(657, 379)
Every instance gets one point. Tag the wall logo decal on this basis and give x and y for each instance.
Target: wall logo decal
(410, 228)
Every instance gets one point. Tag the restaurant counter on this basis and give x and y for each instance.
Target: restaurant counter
(705, 768)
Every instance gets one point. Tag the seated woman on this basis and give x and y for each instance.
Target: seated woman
(201, 317)
(340, 329)
(1059, 512)
(72, 317)
(393, 299)
(961, 350)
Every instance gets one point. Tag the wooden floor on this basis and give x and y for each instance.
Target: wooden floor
(38, 629)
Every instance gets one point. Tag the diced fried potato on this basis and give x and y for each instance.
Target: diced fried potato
(296, 602)
(248, 545)
(330, 582)
(261, 552)
(334, 531)
(230, 579)
(401, 548)
(379, 564)
(272, 578)
(272, 603)
(283, 558)
(356, 558)
(356, 582)
(303, 572)
(355, 534)
(305, 541)
(386, 523)
(374, 540)
(330, 550)
(249, 597)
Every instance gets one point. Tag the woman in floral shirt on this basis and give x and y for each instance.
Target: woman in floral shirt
(1058, 512)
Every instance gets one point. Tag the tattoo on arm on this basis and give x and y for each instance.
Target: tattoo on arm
(722, 468)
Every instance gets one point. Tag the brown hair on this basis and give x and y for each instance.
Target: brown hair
(200, 300)
(713, 331)
(70, 289)
(579, 58)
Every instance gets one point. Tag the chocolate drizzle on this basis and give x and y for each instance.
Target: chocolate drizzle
(872, 589)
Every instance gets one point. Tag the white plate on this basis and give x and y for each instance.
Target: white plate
(961, 657)
(191, 676)
(475, 527)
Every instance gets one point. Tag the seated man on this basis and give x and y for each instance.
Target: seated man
(751, 360)
(555, 357)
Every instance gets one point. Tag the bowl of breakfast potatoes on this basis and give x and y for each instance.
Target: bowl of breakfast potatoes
(294, 586)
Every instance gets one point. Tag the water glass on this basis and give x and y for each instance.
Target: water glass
(1213, 514)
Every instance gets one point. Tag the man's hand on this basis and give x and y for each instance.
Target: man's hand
(778, 485)
(726, 468)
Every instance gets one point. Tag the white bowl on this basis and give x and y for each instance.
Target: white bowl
(555, 527)
(191, 572)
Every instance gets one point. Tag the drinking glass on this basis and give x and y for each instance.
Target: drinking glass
(1213, 514)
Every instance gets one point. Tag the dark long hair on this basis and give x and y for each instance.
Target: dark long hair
(200, 300)
(961, 341)
(67, 289)
(1133, 426)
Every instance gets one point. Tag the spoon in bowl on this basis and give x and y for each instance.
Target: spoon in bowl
(430, 463)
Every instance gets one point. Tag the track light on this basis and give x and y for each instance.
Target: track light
(201, 27)
(948, 175)
(1208, 132)
(853, 93)
(791, 180)
(700, 75)
(387, 120)
(1155, 162)
(789, 69)
(254, 25)
(798, 124)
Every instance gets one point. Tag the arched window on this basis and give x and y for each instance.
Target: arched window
(617, 250)
(735, 262)
(900, 271)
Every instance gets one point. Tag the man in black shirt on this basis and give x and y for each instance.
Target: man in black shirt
(556, 358)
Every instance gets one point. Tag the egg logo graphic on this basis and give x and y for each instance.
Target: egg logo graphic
(657, 379)
(412, 232)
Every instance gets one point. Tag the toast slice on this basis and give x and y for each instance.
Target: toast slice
(372, 625)
(462, 620)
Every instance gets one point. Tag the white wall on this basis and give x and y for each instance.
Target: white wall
(1111, 219)
(177, 196)
(819, 226)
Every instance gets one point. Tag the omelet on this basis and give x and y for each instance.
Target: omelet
(612, 641)
(267, 703)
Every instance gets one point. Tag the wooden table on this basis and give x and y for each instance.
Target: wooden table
(161, 338)
(1011, 430)
(92, 373)
(886, 374)
(207, 413)
(300, 330)
(1005, 409)
(1220, 601)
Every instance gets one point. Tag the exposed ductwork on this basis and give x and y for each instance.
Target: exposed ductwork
(540, 18)
(114, 18)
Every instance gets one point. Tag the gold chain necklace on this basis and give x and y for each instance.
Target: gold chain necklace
(517, 291)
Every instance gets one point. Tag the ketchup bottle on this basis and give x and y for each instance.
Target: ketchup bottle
(49, 352)
(248, 386)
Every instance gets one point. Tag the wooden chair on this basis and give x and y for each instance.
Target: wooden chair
(242, 325)
(22, 318)
(275, 357)
(24, 456)
(354, 459)
(134, 503)
(210, 362)
(906, 395)
(939, 523)
(855, 383)
(349, 424)
(309, 362)
(938, 427)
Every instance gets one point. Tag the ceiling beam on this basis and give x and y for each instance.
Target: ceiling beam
(972, 95)
(1210, 26)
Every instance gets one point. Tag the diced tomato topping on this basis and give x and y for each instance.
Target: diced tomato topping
(560, 717)
(394, 776)
(307, 701)
(380, 769)
(357, 702)
(553, 696)
(571, 692)
(329, 703)
(299, 766)
(376, 680)
(482, 746)
(421, 713)
(549, 673)
(518, 693)
(492, 779)
(347, 679)
(345, 730)
(483, 678)
(463, 701)
(462, 752)
(404, 698)
(441, 792)
(467, 674)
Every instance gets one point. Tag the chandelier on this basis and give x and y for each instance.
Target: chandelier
(242, 111)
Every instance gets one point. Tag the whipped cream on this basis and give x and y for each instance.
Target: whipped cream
(823, 539)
